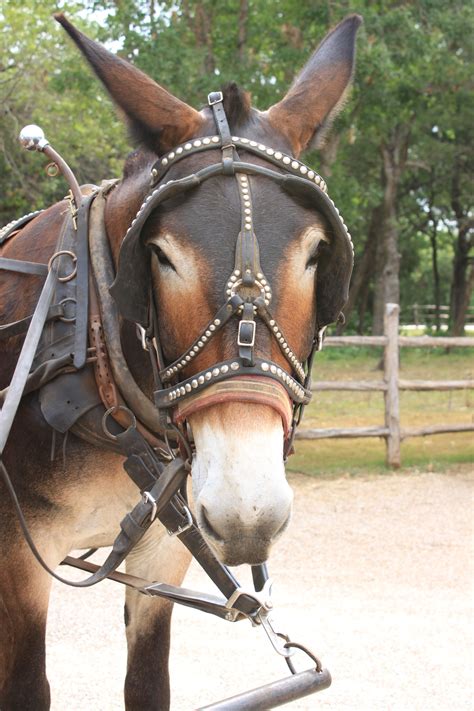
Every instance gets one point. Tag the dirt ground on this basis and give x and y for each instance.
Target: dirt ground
(375, 575)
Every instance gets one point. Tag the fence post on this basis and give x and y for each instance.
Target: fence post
(391, 375)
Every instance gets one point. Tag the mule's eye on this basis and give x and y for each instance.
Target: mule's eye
(162, 258)
(316, 253)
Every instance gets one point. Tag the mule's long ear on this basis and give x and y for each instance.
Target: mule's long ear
(318, 91)
(155, 117)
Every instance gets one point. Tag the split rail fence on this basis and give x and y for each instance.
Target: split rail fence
(391, 385)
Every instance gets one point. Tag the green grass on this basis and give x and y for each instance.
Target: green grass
(350, 409)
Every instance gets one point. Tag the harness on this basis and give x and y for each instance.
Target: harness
(153, 437)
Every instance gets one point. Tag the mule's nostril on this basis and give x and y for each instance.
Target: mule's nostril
(207, 525)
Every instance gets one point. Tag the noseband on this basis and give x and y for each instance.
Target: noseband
(248, 291)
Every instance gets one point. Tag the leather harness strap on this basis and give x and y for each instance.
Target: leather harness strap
(251, 389)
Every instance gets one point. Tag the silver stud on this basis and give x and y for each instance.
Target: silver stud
(208, 375)
(272, 322)
(311, 174)
(154, 173)
(171, 155)
(287, 350)
(182, 391)
(183, 363)
(237, 272)
(248, 211)
(215, 372)
(217, 321)
(234, 366)
(212, 327)
(303, 169)
(201, 379)
(265, 367)
(179, 150)
(253, 144)
(200, 344)
(224, 369)
(206, 141)
(273, 369)
(207, 334)
(194, 383)
(165, 161)
(278, 155)
(215, 139)
(286, 160)
(187, 388)
(228, 292)
(233, 278)
(279, 371)
(295, 165)
(197, 143)
(188, 146)
(235, 138)
(187, 359)
(244, 140)
(270, 151)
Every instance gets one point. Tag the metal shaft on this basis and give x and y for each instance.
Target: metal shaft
(276, 694)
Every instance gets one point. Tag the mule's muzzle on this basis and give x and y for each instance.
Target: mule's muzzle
(239, 543)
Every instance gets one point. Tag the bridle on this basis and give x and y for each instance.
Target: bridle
(248, 292)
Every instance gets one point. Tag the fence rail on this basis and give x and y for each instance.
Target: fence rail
(390, 385)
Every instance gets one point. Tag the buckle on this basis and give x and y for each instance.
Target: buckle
(246, 339)
(184, 527)
(148, 498)
(215, 97)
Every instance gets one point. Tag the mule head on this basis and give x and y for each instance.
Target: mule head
(186, 253)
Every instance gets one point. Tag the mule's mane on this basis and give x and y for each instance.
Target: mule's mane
(236, 105)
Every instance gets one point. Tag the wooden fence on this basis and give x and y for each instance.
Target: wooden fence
(428, 315)
(391, 386)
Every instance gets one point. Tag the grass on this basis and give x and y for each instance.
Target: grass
(351, 409)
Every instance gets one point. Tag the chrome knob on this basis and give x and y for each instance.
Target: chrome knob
(32, 138)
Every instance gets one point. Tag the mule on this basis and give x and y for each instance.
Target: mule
(73, 491)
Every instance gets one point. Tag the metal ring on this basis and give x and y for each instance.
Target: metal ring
(65, 319)
(237, 284)
(52, 170)
(296, 645)
(74, 260)
(110, 411)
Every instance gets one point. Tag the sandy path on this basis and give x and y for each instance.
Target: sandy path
(376, 575)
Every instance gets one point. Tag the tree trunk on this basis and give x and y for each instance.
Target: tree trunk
(463, 271)
(387, 285)
(242, 37)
